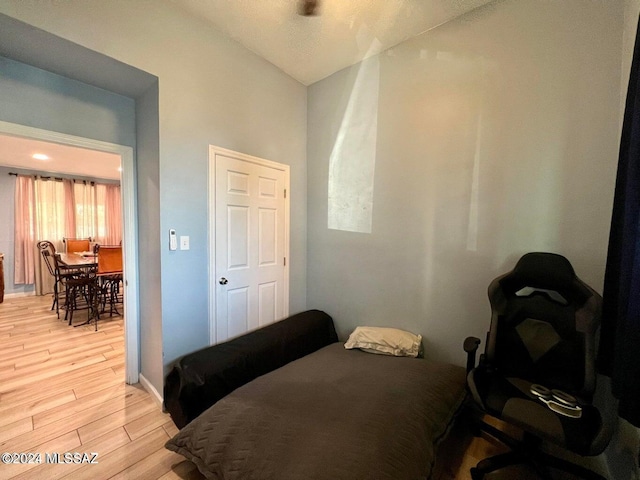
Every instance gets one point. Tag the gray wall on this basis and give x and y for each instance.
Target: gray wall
(494, 135)
(211, 91)
(37, 98)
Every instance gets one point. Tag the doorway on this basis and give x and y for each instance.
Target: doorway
(129, 239)
(248, 243)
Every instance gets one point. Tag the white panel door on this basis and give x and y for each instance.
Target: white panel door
(250, 244)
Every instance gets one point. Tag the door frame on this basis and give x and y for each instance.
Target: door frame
(129, 231)
(211, 202)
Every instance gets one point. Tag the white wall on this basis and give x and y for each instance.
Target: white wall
(494, 135)
(211, 91)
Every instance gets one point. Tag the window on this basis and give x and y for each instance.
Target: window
(52, 209)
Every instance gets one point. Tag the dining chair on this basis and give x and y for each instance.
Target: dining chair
(109, 273)
(61, 276)
(74, 245)
(48, 252)
(82, 293)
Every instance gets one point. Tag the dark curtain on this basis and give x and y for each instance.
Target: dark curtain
(619, 354)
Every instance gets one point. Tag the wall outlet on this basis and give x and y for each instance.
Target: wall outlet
(184, 242)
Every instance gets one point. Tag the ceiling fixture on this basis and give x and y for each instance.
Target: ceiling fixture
(308, 8)
(40, 156)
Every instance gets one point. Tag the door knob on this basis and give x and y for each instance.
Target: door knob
(223, 281)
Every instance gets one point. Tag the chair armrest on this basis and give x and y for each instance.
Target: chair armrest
(471, 347)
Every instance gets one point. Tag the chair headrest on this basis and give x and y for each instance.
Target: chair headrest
(544, 271)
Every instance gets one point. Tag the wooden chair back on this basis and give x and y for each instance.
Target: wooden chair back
(74, 245)
(109, 259)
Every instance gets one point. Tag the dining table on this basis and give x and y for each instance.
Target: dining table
(77, 260)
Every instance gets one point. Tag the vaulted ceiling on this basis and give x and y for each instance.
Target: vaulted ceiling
(343, 33)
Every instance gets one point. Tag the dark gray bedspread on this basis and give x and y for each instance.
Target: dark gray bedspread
(334, 414)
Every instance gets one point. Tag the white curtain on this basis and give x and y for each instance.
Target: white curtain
(25, 240)
(86, 211)
(98, 212)
(69, 207)
(50, 224)
(112, 213)
(50, 211)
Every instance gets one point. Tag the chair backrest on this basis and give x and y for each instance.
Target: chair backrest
(74, 245)
(109, 259)
(543, 325)
(48, 252)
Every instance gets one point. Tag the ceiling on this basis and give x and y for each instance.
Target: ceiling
(17, 152)
(307, 48)
(345, 31)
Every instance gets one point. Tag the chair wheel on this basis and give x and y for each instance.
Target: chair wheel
(476, 474)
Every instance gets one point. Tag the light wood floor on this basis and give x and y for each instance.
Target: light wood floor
(62, 390)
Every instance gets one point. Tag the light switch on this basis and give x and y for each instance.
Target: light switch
(184, 242)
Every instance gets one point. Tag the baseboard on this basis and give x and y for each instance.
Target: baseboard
(19, 294)
(146, 384)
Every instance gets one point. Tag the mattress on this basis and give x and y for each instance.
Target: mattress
(331, 415)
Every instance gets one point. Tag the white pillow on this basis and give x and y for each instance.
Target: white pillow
(385, 341)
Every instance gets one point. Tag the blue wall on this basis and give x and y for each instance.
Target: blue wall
(37, 98)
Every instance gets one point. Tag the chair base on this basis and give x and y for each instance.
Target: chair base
(526, 452)
(110, 293)
(81, 295)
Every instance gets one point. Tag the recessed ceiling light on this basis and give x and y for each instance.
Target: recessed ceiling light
(40, 156)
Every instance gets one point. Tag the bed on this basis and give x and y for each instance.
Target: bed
(330, 414)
